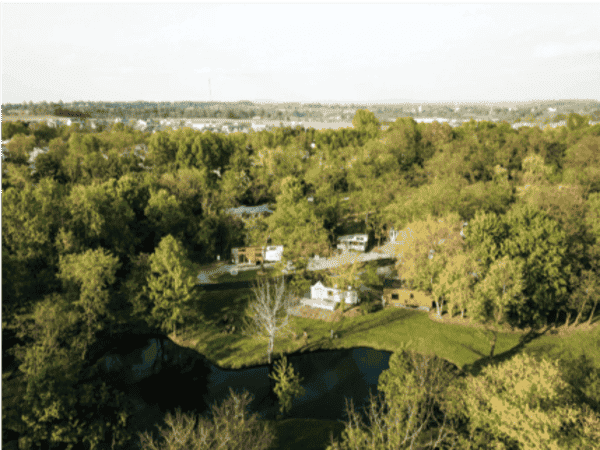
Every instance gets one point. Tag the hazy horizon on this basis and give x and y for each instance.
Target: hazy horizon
(321, 53)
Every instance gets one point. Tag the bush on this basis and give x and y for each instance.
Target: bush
(230, 428)
(366, 307)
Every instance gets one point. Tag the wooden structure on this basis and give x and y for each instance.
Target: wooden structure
(256, 255)
(247, 255)
(395, 294)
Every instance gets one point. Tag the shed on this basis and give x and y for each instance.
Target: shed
(395, 294)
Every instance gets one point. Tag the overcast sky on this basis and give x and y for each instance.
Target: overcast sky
(300, 52)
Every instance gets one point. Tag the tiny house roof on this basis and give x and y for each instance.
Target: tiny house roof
(249, 210)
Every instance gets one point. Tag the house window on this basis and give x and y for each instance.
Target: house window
(329, 293)
(394, 296)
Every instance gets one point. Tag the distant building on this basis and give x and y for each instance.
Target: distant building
(249, 211)
(396, 295)
(353, 242)
(321, 292)
(256, 255)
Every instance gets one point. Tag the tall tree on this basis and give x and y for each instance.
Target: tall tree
(521, 403)
(410, 413)
(295, 225)
(500, 294)
(269, 312)
(287, 385)
(88, 278)
(171, 283)
(365, 121)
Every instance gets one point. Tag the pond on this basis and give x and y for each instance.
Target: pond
(169, 381)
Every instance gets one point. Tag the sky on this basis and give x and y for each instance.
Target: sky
(300, 52)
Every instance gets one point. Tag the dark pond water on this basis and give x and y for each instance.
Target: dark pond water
(329, 377)
(183, 379)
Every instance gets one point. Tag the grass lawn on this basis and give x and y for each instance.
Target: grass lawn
(572, 344)
(388, 329)
(246, 275)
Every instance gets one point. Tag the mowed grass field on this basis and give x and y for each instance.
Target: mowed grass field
(390, 329)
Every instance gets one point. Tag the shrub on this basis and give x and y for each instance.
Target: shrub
(230, 428)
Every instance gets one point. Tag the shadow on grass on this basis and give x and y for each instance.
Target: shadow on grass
(345, 329)
(476, 367)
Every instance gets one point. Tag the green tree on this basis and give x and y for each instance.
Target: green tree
(521, 403)
(585, 297)
(403, 141)
(538, 240)
(294, 224)
(287, 385)
(171, 283)
(460, 275)
(100, 216)
(499, 295)
(576, 122)
(10, 129)
(60, 406)
(88, 278)
(582, 164)
(19, 148)
(365, 121)
(410, 412)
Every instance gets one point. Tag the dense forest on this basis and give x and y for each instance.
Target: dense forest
(109, 226)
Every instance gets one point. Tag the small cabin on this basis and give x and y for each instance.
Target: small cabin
(397, 295)
(257, 255)
(247, 255)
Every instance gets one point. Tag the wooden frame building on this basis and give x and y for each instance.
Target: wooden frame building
(397, 295)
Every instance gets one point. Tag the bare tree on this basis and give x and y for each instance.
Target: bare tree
(231, 427)
(270, 311)
(408, 413)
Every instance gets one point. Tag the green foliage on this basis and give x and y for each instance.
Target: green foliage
(19, 148)
(87, 278)
(576, 122)
(231, 427)
(287, 385)
(403, 141)
(539, 241)
(295, 226)
(499, 296)
(100, 216)
(58, 407)
(365, 121)
(171, 283)
(10, 129)
(408, 412)
(521, 403)
(582, 163)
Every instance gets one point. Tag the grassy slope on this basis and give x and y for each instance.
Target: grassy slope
(389, 329)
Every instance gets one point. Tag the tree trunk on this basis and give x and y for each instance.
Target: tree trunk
(493, 344)
(568, 319)
(592, 313)
(579, 314)
(270, 350)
